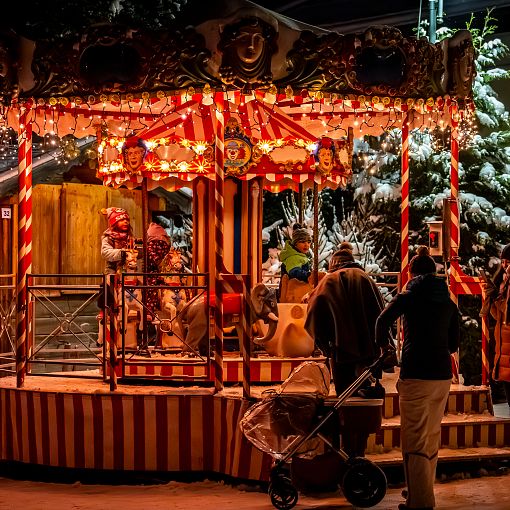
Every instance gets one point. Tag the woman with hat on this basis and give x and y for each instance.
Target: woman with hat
(158, 246)
(431, 334)
(341, 316)
(342, 311)
(497, 293)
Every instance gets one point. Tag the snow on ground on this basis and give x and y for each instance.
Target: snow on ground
(480, 493)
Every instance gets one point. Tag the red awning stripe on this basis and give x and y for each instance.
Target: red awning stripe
(166, 124)
(207, 121)
(289, 124)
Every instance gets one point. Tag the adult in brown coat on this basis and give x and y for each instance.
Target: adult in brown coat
(342, 312)
(498, 298)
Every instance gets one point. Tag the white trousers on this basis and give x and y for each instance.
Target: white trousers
(422, 406)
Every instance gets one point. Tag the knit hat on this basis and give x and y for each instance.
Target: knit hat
(341, 256)
(157, 232)
(300, 234)
(114, 215)
(422, 262)
(505, 252)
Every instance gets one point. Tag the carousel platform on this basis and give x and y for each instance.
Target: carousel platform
(72, 422)
(263, 369)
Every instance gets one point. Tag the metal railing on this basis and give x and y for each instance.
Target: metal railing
(63, 326)
(7, 324)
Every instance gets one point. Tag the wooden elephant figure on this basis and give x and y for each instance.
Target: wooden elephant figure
(263, 306)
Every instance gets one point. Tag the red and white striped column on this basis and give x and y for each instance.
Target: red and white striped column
(239, 284)
(454, 221)
(454, 192)
(24, 237)
(404, 207)
(219, 183)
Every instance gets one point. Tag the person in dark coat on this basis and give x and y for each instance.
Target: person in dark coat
(342, 311)
(431, 335)
(497, 293)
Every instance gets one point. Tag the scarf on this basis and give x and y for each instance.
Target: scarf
(119, 239)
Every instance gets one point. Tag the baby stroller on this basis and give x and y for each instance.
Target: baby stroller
(296, 422)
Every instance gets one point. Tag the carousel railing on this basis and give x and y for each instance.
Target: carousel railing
(156, 335)
(63, 327)
(7, 324)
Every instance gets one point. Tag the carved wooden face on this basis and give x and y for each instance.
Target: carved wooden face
(250, 44)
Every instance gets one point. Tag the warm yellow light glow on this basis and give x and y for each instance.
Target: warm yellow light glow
(265, 147)
(200, 148)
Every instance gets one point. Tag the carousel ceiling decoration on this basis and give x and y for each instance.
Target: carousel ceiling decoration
(252, 49)
(260, 140)
(295, 95)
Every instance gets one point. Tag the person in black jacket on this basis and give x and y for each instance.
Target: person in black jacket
(431, 334)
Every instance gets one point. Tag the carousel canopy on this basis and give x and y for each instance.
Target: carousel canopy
(286, 87)
(260, 140)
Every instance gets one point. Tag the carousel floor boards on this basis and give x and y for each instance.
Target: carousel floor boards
(73, 422)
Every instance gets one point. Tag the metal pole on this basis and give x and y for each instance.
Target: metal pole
(432, 20)
(439, 12)
(315, 234)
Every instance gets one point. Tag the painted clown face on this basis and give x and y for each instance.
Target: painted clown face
(133, 157)
(235, 153)
(325, 156)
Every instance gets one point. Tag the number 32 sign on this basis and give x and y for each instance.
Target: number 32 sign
(6, 213)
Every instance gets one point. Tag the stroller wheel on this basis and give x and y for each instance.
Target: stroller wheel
(364, 483)
(282, 493)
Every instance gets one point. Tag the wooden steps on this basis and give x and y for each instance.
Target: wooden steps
(394, 457)
(470, 428)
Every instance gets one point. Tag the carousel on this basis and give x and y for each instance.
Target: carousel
(230, 107)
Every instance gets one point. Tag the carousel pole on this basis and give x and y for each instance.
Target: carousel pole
(219, 241)
(145, 224)
(24, 238)
(315, 234)
(404, 208)
(454, 221)
(300, 204)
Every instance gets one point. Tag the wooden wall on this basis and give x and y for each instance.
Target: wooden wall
(68, 225)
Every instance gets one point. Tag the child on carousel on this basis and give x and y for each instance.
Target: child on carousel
(115, 241)
(296, 259)
(295, 256)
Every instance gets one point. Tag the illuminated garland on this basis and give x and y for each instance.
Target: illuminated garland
(111, 160)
